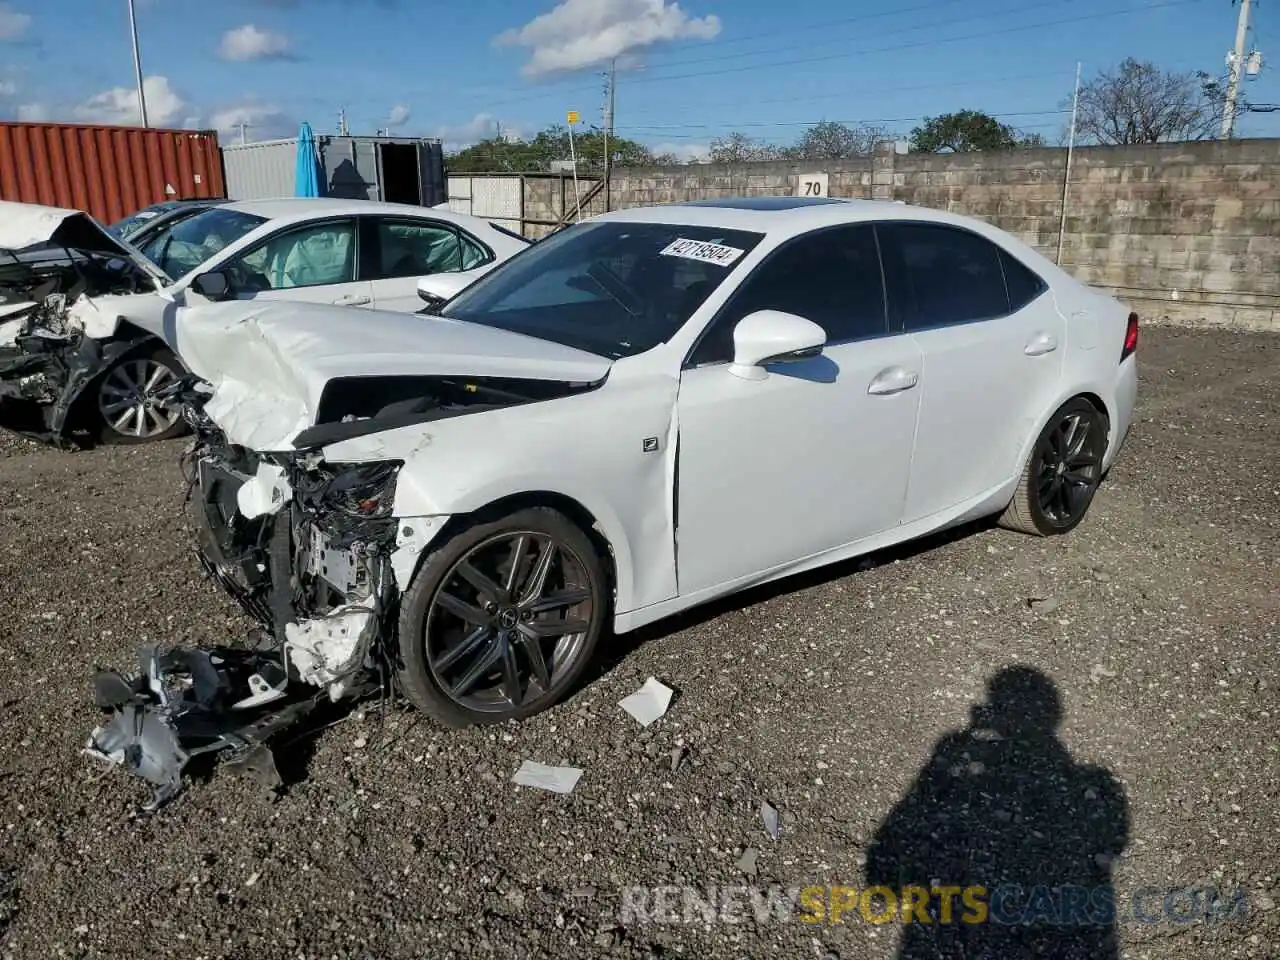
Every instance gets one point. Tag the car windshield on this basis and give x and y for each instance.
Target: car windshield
(614, 289)
(181, 246)
(131, 224)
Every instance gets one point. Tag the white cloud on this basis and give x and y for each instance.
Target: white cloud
(33, 113)
(583, 33)
(399, 116)
(13, 24)
(252, 43)
(7, 89)
(263, 121)
(120, 104)
(684, 152)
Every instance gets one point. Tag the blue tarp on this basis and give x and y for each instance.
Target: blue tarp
(307, 180)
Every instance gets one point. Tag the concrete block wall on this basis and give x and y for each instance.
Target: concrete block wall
(1187, 232)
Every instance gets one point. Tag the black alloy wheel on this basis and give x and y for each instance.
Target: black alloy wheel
(1063, 472)
(501, 620)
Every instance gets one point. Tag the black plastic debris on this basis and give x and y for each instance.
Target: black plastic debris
(185, 703)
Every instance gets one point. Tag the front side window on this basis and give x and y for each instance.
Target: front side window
(409, 249)
(613, 288)
(184, 244)
(311, 256)
(949, 276)
(831, 277)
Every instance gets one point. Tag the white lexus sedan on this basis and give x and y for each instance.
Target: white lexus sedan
(641, 413)
(103, 364)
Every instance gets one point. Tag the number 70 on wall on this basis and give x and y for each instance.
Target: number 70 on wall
(811, 185)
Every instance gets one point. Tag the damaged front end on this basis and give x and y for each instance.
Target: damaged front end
(304, 547)
(56, 334)
(47, 359)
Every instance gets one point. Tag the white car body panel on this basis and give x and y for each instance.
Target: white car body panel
(156, 313)
(702, 482)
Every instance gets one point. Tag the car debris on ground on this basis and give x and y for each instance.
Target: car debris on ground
(544, 777)
(648, 703)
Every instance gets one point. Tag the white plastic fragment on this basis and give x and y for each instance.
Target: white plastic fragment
(544, 777)
(266, 492)
(772, 820)
(648, 703)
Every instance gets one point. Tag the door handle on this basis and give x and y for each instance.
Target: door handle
(1041, 344)
(353, 300)
(893, 380)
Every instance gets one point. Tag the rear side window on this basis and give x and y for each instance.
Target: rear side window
(948, 276)
(1023, 285)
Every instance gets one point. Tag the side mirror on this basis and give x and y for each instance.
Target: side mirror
(771, 336)
(440, 287)
(212, 285)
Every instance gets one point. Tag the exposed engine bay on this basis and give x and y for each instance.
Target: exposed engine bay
(312, 552)
(48, 314)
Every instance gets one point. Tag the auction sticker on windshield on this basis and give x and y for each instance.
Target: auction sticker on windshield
(702, 250)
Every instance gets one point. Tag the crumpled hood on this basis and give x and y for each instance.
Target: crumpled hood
(269, 362)
(24, 225)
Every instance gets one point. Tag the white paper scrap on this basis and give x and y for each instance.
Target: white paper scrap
(555, 779)
(649, 702)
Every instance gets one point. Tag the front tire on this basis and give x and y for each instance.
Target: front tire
(126, 409)
(1062, 472)
(502, 619)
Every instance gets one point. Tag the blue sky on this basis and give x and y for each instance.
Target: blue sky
(688, 72)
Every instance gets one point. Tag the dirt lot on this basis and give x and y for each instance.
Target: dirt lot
(826, 697)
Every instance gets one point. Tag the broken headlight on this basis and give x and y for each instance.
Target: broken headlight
(362, 492)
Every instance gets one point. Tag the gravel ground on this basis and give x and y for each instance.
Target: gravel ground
(1155, 624)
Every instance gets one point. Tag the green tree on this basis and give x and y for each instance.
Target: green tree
(498, 155)
(968, 130)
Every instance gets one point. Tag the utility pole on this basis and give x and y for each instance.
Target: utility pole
(1235, 64)
(243, 125)
(342, 122)
(1066, 176)
(611, 85)
(137, 66)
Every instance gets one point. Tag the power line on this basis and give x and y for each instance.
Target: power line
(892, 48)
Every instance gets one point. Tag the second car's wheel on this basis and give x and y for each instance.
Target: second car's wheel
(501, 620)
(1062, 473)
(128, 407)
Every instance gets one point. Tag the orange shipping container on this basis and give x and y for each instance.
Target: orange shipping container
(107, 171)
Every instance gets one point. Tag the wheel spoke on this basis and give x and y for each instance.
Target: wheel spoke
(511, 685)
(540, 629)
(158, 375)
(488, 589)
(562, 598)
(461, 609)
(537, 582)
(1079, 477)
(537, 661)
(483, 665)
(115, 406)
(1082, 459)
(468, 645)
(519, 548)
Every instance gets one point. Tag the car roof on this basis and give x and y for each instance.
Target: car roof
(783, 215)
(305, 208)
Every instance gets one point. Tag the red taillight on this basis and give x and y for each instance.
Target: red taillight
(1130, 337)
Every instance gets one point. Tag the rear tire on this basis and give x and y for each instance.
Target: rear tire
(1062, 472)
(123, 408)
(471, 632)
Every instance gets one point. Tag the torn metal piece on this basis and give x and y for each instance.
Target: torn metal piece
(649, 702)
(544, 777)
(190, 702)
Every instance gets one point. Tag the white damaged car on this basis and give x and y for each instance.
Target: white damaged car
(101, 360)
(643, 412)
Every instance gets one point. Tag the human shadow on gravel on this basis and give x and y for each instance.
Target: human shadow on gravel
(1001, 806)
